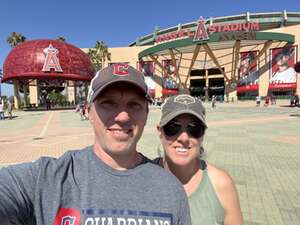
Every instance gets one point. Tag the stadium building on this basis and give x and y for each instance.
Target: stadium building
(236, 57)
(233, 57)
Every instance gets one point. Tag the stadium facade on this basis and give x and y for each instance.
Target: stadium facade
(236, 56)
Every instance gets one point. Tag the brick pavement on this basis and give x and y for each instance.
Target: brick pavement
(258, 146)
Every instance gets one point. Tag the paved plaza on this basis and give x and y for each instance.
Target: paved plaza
(258, 146)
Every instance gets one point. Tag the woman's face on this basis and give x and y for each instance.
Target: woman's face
(182, 147)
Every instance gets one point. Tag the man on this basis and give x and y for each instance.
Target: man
(248, 76)
(2, 116)
(108, 184)
(284, 73)
(9, 109)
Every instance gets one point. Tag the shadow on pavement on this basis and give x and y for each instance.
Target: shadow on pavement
(295, 115)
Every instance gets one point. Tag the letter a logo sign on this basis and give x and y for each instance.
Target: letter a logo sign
(201, 33)
(51, 60)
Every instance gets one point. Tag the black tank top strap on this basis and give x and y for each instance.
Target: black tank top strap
(156, 161)
(203, 164)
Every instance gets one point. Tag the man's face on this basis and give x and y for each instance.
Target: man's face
(118, 116)
(245, 63)
(283, 60)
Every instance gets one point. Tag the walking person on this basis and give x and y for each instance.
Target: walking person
(82, 110)
(258, 99)
(296, 100)
(2, 116)
(110, 182)
(213, 101)
(212, 195)
(9, 109)
(267, 101)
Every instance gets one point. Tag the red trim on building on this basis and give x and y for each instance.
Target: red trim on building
(247, 88)
(165, 91)
(283, 86)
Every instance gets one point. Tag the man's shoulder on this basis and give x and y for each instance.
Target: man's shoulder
(46, 164)
(160, 177)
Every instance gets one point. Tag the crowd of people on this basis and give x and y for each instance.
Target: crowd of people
(267, 100)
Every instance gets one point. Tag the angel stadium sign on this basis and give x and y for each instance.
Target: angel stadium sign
(203, 31)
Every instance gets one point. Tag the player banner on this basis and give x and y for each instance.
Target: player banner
(282, 66)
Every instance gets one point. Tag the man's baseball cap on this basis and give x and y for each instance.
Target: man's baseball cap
(182, 104)
(282, 53)
(116, 73)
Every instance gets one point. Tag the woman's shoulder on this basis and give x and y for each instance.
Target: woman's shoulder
(220, 178)
(221, 181)
(227, 193)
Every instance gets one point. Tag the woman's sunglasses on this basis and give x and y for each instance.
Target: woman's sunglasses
(194, 129)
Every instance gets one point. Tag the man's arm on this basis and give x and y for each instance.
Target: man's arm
(184, 216)
(17, 187)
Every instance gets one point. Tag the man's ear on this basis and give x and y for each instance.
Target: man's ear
(91, 114)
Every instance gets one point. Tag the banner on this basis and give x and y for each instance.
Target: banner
(248, 76)
(282, 66)
(146, 67)
(170, 79)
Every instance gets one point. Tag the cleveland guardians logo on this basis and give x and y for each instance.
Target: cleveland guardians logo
(72, 216)
(67, 216)
(121, 69)
(201, 32)
(51, 60)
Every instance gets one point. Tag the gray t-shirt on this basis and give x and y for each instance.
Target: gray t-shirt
(79, 189)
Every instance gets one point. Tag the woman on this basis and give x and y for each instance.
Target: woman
(212, 194)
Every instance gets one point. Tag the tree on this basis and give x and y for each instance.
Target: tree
(99, 54)
(61, 38)
(14, 39)
(57, 98)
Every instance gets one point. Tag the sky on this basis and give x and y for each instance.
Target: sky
(117, 23)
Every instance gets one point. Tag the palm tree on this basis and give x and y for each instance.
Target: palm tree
(99, 54)
(14, 39)
(61, 38)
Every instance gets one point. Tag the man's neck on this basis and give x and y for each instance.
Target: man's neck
(282, 68)
(118, 161)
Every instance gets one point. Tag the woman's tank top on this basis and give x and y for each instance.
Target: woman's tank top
(204, 203)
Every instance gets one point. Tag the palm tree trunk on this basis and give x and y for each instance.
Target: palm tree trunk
(16, 94)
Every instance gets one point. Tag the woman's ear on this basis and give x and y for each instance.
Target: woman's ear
(159, 131)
